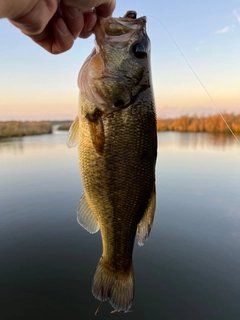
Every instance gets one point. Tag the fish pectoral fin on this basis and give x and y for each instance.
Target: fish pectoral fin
(145, 225)
(72, 139)
(85, 216)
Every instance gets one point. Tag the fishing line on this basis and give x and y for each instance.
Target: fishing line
(197, 77)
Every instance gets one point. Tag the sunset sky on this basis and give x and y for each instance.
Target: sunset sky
(37, 85)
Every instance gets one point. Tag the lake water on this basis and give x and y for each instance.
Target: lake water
(189, 269)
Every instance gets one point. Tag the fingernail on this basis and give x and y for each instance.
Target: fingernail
(62, 27)
(73, 12)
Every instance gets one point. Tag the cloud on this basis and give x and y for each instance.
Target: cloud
(236, 12)
(225, 30)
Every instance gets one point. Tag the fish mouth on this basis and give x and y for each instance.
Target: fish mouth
(106, 78)
(118, 29)
(122, 26)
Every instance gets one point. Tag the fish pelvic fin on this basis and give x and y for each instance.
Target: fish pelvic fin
(145, 225)
(115, 286)
(85, 217)
(72, 139)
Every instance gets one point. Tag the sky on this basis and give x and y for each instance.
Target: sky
(35, 85)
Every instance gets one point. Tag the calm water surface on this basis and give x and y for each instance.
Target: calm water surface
(190, 267)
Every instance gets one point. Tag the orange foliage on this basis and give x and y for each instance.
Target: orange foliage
(27, 128)
(214, 124)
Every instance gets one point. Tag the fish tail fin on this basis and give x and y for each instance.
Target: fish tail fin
(115, 286)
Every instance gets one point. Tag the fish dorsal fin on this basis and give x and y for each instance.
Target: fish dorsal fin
(85, 216)
(72, 139)
(145, 225)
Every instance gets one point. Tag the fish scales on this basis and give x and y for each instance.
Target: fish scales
(117, 152)
(122, 180)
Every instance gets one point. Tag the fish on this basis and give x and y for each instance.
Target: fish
(115, 131)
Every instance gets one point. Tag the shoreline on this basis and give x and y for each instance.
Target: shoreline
(13, 129)
(209, 124)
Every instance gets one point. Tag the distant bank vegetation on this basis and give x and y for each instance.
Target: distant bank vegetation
(10, 129)
(213, 124)
(65, 126)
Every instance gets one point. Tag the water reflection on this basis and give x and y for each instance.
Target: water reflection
(198, 140)
(12, 146)
(189, 267)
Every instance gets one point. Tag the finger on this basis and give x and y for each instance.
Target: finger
(56, 38)
(90, 19)
(73, 18)
(63, 39)
(36, 20)
(106, 9)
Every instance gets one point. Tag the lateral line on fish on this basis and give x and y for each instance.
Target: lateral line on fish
(197, 77)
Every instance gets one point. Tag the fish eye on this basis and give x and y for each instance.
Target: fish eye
(139, 51)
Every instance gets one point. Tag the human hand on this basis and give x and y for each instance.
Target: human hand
(55, 24)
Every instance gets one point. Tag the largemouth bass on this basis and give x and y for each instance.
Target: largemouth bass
(116, 135)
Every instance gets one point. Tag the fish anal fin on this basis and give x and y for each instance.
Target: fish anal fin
(145, 225)
(85, 216)
(97, 130)
(113, 285)
(73, 135)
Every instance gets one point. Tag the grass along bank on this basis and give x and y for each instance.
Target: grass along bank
(212, 124)
(65, 126)
(10, 129)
